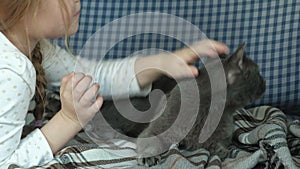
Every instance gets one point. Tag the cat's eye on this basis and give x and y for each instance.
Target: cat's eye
(223, 56)
(247, 74)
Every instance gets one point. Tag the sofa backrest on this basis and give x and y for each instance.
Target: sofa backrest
(271, 30)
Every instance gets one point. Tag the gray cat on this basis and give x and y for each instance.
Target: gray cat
(244, 84)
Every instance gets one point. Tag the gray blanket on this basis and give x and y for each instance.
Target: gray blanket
(263, 138)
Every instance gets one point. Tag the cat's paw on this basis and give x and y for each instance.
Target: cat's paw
(223, 154)
(149, 161)
(221, 151)
(149, 152)
(146, 149)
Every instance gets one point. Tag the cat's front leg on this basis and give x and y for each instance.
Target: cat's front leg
(149, 149)
(149, 161)
(220, 150)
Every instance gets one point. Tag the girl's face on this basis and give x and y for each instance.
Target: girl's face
(54, 18)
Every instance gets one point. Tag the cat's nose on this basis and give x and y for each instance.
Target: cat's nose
(262, 87)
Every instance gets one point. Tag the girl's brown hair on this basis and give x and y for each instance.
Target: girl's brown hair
(11, 12)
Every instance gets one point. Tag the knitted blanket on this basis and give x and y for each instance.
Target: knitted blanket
(263, 138)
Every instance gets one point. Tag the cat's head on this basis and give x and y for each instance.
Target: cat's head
(244, 81)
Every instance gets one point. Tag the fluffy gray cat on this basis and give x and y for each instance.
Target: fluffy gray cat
(244, 84)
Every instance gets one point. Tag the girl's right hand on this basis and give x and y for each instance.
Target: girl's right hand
(79, 99)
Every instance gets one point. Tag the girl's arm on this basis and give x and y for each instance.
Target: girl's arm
(17, 89)
(128, 76)
(109, 74)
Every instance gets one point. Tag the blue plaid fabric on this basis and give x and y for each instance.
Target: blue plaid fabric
(270, 29)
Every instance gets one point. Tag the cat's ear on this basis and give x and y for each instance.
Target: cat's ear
(238, 56)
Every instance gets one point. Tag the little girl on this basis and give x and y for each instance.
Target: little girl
(29, 64)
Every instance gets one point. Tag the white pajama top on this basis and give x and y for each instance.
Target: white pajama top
(17, 88)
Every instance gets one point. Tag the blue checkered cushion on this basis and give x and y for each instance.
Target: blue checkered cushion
(270, 28)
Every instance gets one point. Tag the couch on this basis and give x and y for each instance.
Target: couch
(270, 29)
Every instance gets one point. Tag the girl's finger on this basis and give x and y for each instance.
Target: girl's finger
(219, 47)
(95, 107)
(194, 70)
(65, 80)
(90, 95)
(209, 48)
(77, 78)
(81, 87)
(187, 54)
